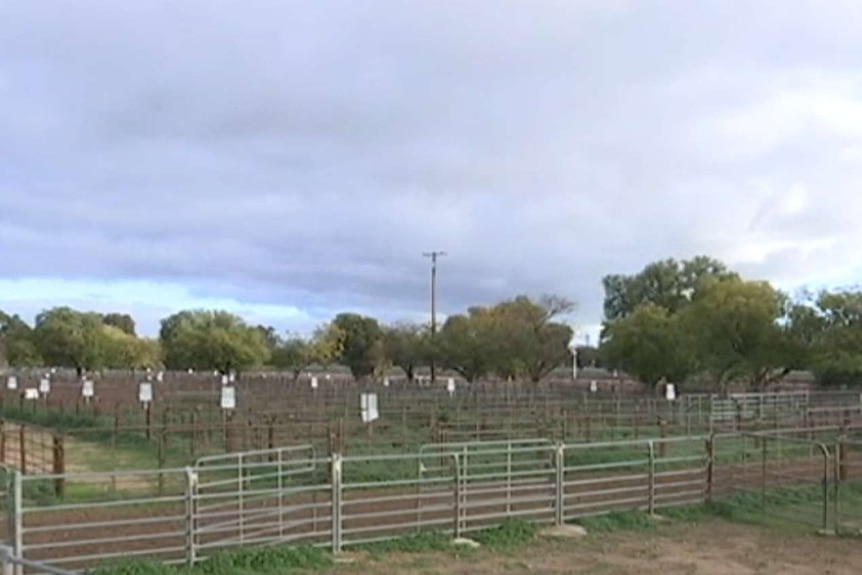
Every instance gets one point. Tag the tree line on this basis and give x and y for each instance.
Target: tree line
(673, 321)
(516, 338)
(677, 321)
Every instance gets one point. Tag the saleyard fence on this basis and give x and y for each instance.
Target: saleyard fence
(50, 436)
(297, 495)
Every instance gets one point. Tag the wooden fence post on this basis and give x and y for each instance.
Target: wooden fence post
(59, 466)
(22, 446)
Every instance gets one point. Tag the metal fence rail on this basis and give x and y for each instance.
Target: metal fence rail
(293, 495)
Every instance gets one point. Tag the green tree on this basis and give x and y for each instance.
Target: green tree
(125, 351)
(739, 329)
(827, 332)
(669, 284)
(296, 353)
(204, 339)
(528, 342)
(359, 343)
(650, 344)
(17, 344)
(466, 343)
(69, 338)
(121, 321)
(407, 346)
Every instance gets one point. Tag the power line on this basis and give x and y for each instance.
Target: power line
(433, 255)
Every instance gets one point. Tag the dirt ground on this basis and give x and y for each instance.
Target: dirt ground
(714, 547)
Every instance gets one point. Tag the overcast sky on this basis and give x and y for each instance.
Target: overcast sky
(289, 159)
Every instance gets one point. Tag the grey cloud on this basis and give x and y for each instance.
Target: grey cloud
(307, 153)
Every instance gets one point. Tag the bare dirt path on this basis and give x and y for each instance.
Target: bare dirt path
(714, 547)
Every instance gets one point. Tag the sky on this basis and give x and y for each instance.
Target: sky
(289, 160)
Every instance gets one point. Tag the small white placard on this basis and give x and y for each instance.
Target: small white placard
(145, 392)
(670, 392)
(44, 386)
(231, 377)
(224, 380)
(368, 404)
(313, 382)
(88, 389)
(31, 393)
(12, 382)
(160, 376)
(450, 386)
(228, 397)
(385, 382)
(594, 386)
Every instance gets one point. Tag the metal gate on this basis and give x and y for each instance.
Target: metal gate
(258, 497)
(491, 480)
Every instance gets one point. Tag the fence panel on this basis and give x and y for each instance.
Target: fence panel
(92, 524)
(386, 496)
(783, 476)
(511, 480)
(647, 474)
(848, 473)
(266, 496)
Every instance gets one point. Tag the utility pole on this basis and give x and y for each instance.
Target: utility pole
(433, 255)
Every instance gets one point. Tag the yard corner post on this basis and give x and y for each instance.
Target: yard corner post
(17, 518)
(651, 496)
(191, 515)
(337, 492)
(560, 484)
(456, 531)
(710, 466)
(7, 564)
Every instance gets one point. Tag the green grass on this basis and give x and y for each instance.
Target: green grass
(509, 535)
(257, 561)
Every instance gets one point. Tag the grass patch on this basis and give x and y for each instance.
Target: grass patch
(510, 534)
(257, 560)
(424, 542)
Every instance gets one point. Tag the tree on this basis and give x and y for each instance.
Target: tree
(737, 325)
(270, 336)
(16, 342)
(125, 351)
(296, 353)
(121, 321)
(359, 343)
(827, 333)
(70, 338)
(203, 339)
(669, 284)
(529, 343)
(407, 346)
(466, 344)
(650, 344)
(17, 345)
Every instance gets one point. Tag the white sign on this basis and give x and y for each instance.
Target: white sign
(594, 386)
(160, 376)
(145, 392)
(224, 380)
(231, 377)
(44, 386)
(385, 382)
(670, 392)
(31, 393)
(450, 386)
(88, 389)
(228, 397)
(368, 404)
(12, 382)
(313, 382)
